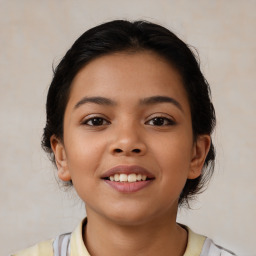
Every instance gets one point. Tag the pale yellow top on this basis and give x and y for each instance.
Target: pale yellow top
(194, 246)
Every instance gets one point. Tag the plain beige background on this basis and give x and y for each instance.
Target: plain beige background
(35, 34)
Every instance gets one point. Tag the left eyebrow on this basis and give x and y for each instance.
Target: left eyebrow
(161, 99)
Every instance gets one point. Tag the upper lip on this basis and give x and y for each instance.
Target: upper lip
(127, 169)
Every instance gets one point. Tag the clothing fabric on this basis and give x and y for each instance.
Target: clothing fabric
(71, 244)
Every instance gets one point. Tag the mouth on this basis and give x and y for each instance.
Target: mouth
(123, 177)
(127, 179)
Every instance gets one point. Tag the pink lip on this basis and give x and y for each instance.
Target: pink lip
(128, 187)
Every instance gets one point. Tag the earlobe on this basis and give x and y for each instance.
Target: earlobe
(200, 150)
(60, 158)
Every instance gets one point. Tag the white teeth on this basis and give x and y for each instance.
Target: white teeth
(132, 177)
(116, 177)
(123, 177)
(128, 178)
(138, 177)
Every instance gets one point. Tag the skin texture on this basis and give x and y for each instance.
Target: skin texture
(156, 136)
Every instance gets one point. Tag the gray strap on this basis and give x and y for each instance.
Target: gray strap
(211, 249)
(61, 245)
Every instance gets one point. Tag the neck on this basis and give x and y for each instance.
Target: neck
(162, 236)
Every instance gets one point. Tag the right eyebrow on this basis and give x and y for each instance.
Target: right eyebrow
(97, 100)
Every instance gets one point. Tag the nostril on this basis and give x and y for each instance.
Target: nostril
(119, 150)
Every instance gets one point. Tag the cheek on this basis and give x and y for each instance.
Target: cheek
(175, 170)
(83, 161)
(173, 155)
(83, 155)
(176, 148)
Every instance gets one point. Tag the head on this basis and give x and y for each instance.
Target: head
(134, 37)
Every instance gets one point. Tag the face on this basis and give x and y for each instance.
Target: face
(127, 144)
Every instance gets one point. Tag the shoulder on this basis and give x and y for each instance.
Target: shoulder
(210, 248)
(64, 244)
(199, 245)
(40, 249)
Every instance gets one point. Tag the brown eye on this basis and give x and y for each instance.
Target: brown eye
(96, 121)
(160, 121)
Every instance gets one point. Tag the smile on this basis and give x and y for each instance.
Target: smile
(128, 179)
(133, 177)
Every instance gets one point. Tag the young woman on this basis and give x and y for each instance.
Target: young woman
(129, 123)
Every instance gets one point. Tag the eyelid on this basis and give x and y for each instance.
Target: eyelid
(161, 115)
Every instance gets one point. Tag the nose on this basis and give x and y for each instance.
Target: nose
(128, 141)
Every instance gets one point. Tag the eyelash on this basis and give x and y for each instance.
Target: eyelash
(92, 119)
(100, 121)
(164, 120)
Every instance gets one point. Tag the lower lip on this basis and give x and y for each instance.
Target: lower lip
(128, 187)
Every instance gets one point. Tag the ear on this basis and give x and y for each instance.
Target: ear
(60, 158)
(200, 150)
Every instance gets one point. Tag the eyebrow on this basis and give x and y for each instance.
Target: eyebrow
(146, 101)
(161, 99)
(96, 100)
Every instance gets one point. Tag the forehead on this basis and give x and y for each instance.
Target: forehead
(129, 76)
